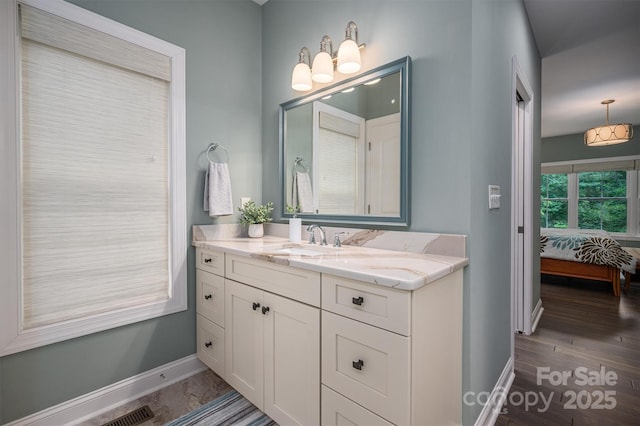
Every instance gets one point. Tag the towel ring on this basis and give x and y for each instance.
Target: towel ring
(299, 162)
(213, 147)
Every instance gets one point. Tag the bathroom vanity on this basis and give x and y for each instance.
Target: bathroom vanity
(333, 335)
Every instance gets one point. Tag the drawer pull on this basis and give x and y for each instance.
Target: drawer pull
(208, 344)
(207, 260)
(357, 364)
(265, 309)
(207, 296)
(357, 300)
(255, 306)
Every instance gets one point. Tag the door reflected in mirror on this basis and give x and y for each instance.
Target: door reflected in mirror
(344, 150)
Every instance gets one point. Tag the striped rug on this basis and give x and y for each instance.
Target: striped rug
(228, 409)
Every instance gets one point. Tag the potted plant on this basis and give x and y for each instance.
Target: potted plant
(255, 216)
(295, 223)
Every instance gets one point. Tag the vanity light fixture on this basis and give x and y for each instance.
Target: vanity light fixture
(349, 51)
(322, 68)
(608, 134)
(301, 76)
(346, 60)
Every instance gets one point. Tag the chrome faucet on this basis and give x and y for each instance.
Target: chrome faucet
(312, 237)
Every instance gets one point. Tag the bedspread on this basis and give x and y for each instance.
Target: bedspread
(586, 246)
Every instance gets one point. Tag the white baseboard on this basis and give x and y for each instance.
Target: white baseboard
(491, 410)
(102, 400)
(536, 315)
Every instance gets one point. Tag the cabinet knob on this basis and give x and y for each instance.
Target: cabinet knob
(208, 344)
(255, 306)
(265, 309)
(207, 296)
(357, 300)
(357, 364)
(207, 260)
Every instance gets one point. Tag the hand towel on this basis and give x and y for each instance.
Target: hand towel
(217, 190)
(302, 194)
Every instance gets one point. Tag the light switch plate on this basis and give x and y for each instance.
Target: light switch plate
(494, 197)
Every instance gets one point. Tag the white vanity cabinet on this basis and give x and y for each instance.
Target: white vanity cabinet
(391, 356)
(210, 309)
(273, 342)
(308, 347)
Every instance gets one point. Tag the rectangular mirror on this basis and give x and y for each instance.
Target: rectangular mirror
(344, 150)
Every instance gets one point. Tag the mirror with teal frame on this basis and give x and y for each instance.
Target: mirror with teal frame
(344, 150)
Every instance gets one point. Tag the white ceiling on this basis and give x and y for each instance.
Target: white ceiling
(590, 51)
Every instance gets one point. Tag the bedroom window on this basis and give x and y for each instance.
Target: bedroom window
(96, 226)
(592, 194)
(554, 206)
(602, 200)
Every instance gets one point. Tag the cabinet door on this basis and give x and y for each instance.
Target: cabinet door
(244, 341)
(292, 361)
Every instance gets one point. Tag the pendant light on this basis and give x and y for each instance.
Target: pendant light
(608, 134)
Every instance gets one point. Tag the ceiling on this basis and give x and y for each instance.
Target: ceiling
(590, 52)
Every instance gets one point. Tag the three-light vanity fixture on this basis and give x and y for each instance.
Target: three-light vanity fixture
(347, 60)
(608, 134)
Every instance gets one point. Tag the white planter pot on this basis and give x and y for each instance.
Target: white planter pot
(295, 229)
(256, 230)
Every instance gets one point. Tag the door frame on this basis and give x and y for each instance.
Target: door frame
(522, 159)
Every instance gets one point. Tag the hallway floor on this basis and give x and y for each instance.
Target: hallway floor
(583, 325)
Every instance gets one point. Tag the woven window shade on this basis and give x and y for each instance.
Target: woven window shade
(95, 194)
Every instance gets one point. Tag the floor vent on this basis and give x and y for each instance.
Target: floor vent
(133, 418)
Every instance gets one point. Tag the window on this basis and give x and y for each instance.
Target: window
(592, 194)
(602, 200)
(98, 182)
(555, 201)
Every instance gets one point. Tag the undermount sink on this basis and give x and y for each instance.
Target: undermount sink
(303, 250)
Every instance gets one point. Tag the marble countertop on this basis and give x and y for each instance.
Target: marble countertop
(398, 269)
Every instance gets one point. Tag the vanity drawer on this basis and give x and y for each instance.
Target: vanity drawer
(377, 305)
(294, 283)
(210, 261)
(210, 296)
(338, 410)
(210, 341)
(367, 365)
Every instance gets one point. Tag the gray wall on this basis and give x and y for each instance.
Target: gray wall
(222, 40)
(572, 147)
(461, 131)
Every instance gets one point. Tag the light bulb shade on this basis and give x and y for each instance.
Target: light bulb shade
(301, 77)
(322, 68)
(349, 57)
(608, 135)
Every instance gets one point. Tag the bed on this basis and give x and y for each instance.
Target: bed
(588, 254)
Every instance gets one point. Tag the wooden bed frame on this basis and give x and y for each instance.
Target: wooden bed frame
(568, 268)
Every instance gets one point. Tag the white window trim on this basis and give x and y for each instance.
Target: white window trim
(633, 194)
(12, 338)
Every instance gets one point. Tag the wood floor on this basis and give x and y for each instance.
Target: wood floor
(583, 325)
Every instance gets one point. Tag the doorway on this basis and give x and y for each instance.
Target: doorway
(521, 208)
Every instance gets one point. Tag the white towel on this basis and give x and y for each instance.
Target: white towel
(217, 190)
(302, 194)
